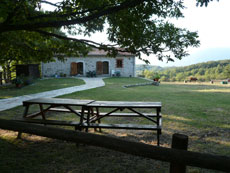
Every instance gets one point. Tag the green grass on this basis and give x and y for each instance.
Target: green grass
(39, 85)
(200, 111)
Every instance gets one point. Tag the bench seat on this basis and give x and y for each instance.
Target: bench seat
(122, 126)
(92, 125)
(115, 114)
(49, 122)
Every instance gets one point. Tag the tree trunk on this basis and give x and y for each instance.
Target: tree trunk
(4, 74)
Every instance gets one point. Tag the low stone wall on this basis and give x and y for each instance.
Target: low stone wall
(142, 84)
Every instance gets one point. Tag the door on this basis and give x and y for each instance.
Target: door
(99, 68)
(80, 68)
(73, 69)
(105, 67)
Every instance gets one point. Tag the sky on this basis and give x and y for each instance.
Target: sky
(212, 25)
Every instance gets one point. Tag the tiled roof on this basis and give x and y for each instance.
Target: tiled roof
(97, 52)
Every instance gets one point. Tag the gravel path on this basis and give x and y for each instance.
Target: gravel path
(17, 101)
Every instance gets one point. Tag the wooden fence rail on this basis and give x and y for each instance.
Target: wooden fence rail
(175, 156)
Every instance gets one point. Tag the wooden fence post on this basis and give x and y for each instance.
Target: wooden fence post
(179, 141)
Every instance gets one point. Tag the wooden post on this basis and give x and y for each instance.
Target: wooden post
(179, 141)
(183, 157)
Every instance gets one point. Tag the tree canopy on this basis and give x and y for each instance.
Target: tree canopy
(136, 26)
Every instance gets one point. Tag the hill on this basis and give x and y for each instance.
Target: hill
(211, 70)
(141, 67)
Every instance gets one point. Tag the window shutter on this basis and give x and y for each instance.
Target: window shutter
(99, 67)
(73, 70)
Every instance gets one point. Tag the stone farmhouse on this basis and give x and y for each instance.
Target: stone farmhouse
(96, 60)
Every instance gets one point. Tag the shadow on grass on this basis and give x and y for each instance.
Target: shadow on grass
(38, 154)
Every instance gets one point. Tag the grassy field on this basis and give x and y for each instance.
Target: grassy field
(39, 85)
(200, 111)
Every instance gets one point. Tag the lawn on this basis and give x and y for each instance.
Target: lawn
(200, 111)
(39, 85)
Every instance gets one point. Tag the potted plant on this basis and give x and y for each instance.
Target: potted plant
(18, 82)
(156, 77)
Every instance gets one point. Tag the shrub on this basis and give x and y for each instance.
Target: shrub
(17, 81)
(27, 80)
(91, 74)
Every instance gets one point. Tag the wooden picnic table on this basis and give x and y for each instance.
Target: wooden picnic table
(53, 103)
(89, 117)
(134, 109)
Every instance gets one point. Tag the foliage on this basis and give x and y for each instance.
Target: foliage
(213, 70)
(27, 80)
(135, 26)
(22, 80)
(91, 74)
(17, 81)
(156, 76)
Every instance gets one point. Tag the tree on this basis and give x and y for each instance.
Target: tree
(226, 74)
(137, 26)
(27, 47)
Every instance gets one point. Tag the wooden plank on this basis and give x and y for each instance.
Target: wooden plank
(142, 115)
(179, 141)
(122, 126)
(115, 114)
(57, 102)
(49, 122)
(189, 158)
(124, 114)
(125, 104)
(33, 115)
(62, 110)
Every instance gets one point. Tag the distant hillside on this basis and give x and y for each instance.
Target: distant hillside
(141, 67)
(207, 71)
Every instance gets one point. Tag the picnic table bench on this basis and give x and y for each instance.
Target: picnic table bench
(90, 115)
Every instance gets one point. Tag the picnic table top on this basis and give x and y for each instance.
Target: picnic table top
(92, 103)
(58, 101)
(125, 104)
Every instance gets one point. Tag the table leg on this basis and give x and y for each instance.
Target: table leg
(26, 111)
(83, 108)
(92, 114)
(158, 123)
(158, 137)
(42, 111)
(99, 120)
(19, 136)
(88, 117)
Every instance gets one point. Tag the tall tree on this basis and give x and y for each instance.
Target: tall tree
(137, 26)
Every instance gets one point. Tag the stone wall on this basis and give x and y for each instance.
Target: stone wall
(89, 64)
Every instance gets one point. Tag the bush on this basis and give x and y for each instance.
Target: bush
(17, 81)
(22, 80)
(27, 80)
(91, 74)
(140, 75)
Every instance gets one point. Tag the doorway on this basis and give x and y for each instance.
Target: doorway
(102, 67)
(76, 68)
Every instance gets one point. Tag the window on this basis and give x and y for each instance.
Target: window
(119, 63)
